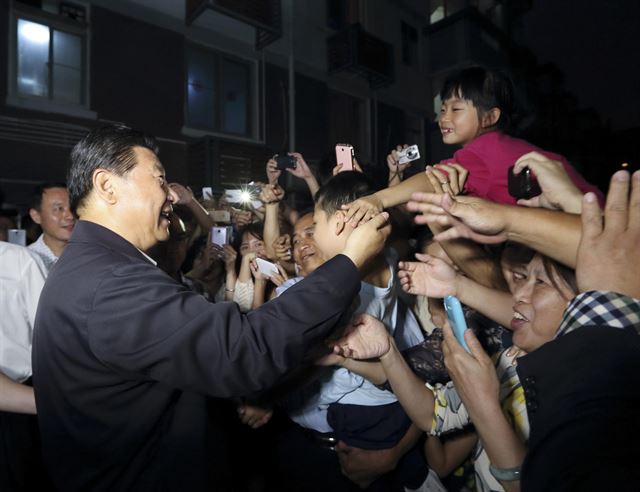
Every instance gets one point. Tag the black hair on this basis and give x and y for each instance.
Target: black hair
(255, 229)
(486, 89)
(108, 147)
(38, 191)
(343, 188)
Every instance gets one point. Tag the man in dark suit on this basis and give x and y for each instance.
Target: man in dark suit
(125, 358)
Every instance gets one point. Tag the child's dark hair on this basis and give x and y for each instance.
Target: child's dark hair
(486, 89)
(343, 188)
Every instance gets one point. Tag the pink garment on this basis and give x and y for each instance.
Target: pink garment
(488, 159)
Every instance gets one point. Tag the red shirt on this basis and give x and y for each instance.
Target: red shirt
(488, 159)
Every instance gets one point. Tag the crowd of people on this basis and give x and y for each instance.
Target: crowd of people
(141, 350)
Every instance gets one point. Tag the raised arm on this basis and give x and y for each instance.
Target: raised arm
(271, 196)
(552, 233)
(188, 200)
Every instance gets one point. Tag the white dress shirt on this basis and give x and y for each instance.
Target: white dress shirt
(22, 275)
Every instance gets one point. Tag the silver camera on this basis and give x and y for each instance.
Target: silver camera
(409, 154)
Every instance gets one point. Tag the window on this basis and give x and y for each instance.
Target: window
(48, 57)
(219, 93)
(409, 45)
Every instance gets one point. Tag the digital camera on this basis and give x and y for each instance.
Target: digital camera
(409, 154)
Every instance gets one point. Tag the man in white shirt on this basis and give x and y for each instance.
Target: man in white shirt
(50, 209)
(22, 276)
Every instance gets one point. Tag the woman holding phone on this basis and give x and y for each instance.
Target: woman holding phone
(482, 391)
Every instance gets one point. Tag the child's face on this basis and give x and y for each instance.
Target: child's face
(459, 121)
(330, 232)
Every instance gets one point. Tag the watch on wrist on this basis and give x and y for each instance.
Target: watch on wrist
(505, 474)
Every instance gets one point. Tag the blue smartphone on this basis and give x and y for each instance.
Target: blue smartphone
(456, 319)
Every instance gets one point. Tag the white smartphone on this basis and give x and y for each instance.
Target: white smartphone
(267, 268)
(344, 156)
(207, 193)
(221, 235)
(17, 236)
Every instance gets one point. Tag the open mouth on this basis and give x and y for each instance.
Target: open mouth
(166, 214)
(518, 316)
(446, 131)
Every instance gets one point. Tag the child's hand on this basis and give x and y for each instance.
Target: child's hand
(558, 191)
(447, 178)
(430, 277)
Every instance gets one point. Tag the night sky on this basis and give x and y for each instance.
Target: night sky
(596, 44)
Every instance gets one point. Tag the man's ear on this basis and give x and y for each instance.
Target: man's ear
(340, 222)
(490, 118)
(35, 215)
(104, 186)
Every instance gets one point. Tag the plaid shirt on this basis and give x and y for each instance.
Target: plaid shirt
(600, 308)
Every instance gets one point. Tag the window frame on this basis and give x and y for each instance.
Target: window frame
(54, 23)
(254, 106)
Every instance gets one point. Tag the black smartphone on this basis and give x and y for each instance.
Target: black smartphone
(285, 161)
(523, 185)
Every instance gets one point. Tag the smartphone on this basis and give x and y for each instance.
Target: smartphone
(221, 235)
(267, 268)
(456, 318)
(207, 193)
(221, 216)
(17, 236)
(285, 161)
(344, 156)
(523, 185)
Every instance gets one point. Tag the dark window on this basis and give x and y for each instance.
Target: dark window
(219, 92)
(409, 45)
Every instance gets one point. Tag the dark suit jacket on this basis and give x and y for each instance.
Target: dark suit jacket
(583, 402)
(124, 358)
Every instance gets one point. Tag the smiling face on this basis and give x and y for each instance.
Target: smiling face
(305, 252)
(144, 201)
(252, 244)
(460, 121)
(539, 304)
(54, 215)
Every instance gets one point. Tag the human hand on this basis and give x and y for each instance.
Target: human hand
(241, 217)
(331, 359)
(273, 173)
(609, 255)
(362, 209)
(356, 167)
(365, 338)
(229, 255)
(255, 271)
(271, 193)
(281, 277)
(367, 241)
(473, 374)
(364, 466)
(302, 169)
(254, 416)
(282, 247)
(393, 161)
(467, 217)
(447, 178)
(429, 277)
(558, 191)
(184, 194)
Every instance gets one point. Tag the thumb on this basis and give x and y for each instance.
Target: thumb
(474, 345)
(423, 257)
(531, 202)
(591, 216)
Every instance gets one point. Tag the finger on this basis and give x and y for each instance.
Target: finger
(425, 208)
(424, 258)
(634, 204)
(462, 175)
(425, 218)
(474, 345)
(531, 202)
(616, 210)
(451, 177)
(436, 184)
(591, 217)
